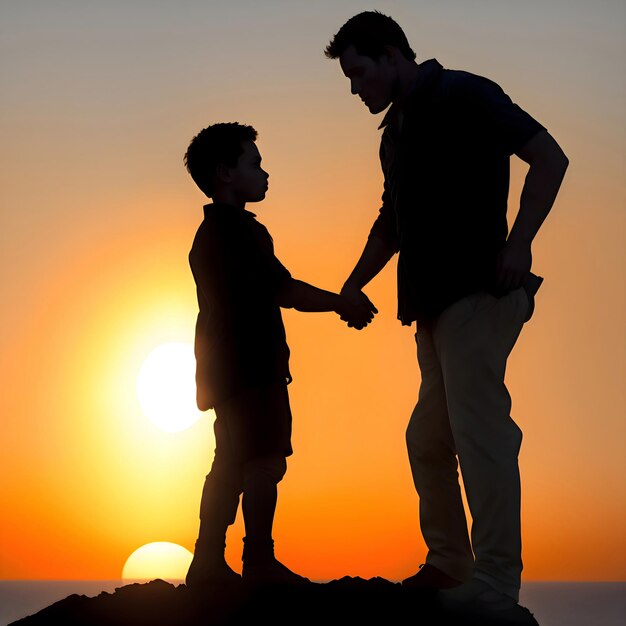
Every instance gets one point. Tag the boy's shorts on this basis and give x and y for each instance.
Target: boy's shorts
(254, 422)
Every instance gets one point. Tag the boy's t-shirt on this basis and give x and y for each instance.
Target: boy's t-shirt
(240, 338)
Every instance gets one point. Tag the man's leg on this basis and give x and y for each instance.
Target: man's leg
(432, 456)
(473, 339)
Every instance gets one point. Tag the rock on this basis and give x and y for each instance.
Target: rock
(347, 601)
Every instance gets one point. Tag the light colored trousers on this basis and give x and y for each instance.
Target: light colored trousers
(463, 412)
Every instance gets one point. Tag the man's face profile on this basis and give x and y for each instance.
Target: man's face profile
(369, 79)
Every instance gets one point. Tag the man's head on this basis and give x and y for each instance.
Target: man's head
(372, 50)
(225, 163)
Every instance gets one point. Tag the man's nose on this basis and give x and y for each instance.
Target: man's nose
(354, 87)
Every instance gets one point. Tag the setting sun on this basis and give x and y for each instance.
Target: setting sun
(160, 559)
(166, 387)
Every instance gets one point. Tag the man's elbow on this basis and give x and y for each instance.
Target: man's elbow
(543, 152)
(557, 157)
(552, 161)
(559, 165)
(564, 162)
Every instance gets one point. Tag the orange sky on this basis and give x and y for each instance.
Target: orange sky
(99, 103)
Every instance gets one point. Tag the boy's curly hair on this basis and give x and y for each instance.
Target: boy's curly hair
(218, 144)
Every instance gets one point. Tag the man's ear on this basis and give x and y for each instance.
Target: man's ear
(390, 53)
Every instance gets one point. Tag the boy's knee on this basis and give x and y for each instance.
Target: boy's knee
(272, 467)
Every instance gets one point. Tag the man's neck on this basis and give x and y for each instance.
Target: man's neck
(407, 76)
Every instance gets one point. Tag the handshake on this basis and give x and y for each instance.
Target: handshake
(355, 308)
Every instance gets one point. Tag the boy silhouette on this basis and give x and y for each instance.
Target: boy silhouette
(242, 355)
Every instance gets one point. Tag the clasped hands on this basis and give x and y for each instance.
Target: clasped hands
(355, 308)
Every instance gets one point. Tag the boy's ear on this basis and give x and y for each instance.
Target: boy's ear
(223, 173)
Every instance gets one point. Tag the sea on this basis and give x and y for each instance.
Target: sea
(552, 603)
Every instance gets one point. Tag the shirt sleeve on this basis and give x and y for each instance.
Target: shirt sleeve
(505, 122)
(217, 270)
(384, 226)
(272, 274)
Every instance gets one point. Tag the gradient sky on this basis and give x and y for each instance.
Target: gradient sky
(98, 103)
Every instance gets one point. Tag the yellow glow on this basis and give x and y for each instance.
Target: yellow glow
(166, 387)
(160, 559)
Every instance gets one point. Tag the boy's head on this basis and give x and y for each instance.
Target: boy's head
(225, 163)
(371, 47)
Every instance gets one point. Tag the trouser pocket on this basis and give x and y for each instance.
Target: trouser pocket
(531, 287)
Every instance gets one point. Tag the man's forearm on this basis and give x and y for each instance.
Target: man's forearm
(542, 184)
(374, 257)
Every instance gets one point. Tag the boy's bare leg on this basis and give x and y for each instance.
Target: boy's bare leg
(260, 495)
(218, 510)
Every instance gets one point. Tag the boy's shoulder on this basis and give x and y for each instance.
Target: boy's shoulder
(227, 225)
(226, 214)
(218, 218)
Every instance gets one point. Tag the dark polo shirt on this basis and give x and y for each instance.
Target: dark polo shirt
(240, 339)
(445, 158)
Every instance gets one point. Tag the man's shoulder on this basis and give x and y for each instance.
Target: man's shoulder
(450, 87)
(462, 83)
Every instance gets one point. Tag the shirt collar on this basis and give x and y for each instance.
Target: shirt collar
(428, 71)
(231, 209)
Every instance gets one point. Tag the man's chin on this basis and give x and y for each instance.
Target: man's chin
(374, 109)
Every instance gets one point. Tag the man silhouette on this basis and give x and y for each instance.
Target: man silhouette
(465, 280)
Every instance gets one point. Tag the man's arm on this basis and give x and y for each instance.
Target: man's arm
(375, 256)
(548, 164)
(296, 294)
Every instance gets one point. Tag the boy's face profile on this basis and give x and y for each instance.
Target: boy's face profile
(371, 80)
(247, 181)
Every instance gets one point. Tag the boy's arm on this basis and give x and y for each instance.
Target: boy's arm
(296, 294)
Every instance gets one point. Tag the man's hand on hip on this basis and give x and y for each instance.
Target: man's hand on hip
(513, 264)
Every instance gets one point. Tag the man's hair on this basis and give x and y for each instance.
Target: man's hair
(218, 144)
(369, 32)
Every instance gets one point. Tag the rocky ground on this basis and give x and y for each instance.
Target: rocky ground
(346, 602)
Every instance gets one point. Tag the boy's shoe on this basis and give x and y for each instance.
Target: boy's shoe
(430, 578)
(477, 602)
(203, 572)
(271, 572)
